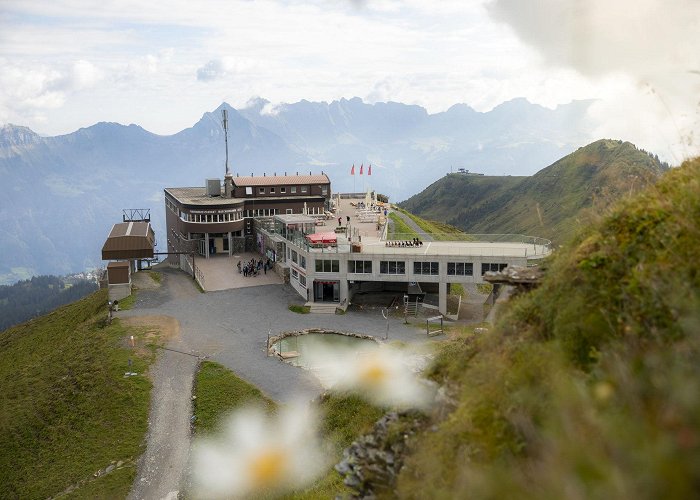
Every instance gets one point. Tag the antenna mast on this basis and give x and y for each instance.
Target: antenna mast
(224, 120)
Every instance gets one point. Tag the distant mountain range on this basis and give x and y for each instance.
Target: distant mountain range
(60, 195)
(554, 203)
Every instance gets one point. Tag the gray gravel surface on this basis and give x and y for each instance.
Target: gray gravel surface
(230, 327)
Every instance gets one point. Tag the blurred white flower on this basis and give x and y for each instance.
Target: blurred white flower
(383, 375)
(258, 454)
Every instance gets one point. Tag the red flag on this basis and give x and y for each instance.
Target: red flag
(361, 168)
(352, 170)
(369, 169)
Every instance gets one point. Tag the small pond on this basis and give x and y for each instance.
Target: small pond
(303, 343)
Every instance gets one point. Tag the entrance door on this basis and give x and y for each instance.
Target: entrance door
(326, 291)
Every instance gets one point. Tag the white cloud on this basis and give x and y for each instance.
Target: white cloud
(647, 50)
(128, 60)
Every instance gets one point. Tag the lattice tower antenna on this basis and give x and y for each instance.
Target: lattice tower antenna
(224, 121)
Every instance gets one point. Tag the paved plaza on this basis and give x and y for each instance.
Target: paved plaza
(230, 327)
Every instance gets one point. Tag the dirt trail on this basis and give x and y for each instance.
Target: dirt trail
(160, 469)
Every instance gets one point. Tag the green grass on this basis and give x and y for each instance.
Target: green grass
(67, 409)
(299, 309)
(128, 302)
(155, 276)
(439, 231)
(345, 418)
(219, 391)
(400, 230)
(588, 386)
(555, 203)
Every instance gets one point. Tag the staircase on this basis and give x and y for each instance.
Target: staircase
(411, 308)
(322, 307)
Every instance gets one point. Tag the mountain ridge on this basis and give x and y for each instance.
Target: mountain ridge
(550, 203)
(52, 185)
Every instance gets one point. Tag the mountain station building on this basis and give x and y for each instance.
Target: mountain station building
(291, 220)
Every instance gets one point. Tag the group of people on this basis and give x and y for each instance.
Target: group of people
(253, 267)
(415, 242)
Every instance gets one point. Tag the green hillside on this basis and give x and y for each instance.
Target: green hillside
(589, 386)
(552, 204)
(66, 409)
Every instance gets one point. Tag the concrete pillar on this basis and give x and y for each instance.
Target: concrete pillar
(442, 300)
(343, 291)
(206, 245)
(230, 243)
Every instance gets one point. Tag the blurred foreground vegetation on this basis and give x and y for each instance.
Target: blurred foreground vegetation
(589, 386)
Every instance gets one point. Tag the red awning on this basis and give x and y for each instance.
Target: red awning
(322, 238)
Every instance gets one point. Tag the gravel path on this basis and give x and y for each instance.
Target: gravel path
(412, 224)
(230, 327)
(161, 468)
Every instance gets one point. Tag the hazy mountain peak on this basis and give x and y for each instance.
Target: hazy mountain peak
(17, 135)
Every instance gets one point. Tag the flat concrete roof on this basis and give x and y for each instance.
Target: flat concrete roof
(296, 219)
(199, 196)
(372, 243)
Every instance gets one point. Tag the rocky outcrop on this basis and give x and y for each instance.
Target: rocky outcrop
(372, 463)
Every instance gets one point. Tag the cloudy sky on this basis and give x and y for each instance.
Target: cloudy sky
(66, 64)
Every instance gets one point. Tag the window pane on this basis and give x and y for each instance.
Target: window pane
(468, 269)
(368, 267)
(383, 267)
(336, 266)
(451, 268)
(401, 267)
(416, 268)
(319, 266)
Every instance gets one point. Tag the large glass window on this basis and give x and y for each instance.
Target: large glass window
(460, 269)
(428, 268)
(327, 266)
(489, 266)
(360, 266)
(392, 267)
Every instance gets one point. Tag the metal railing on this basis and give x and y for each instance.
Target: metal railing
(485, 238)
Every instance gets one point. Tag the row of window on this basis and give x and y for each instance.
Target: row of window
(299, 277)
(327, 266)
(298, 258)
(225, 217)
(399, 267)
(283, 190)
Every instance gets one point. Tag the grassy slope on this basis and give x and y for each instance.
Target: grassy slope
(554, 203)
(589, 386)
(220, 391)
(65, 408)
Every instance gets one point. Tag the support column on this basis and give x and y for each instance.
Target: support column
(206, 245)
(230, 243)
(343, 291)
(442, 300)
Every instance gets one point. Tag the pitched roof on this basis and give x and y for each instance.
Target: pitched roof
(281, 180)
(129, 240)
